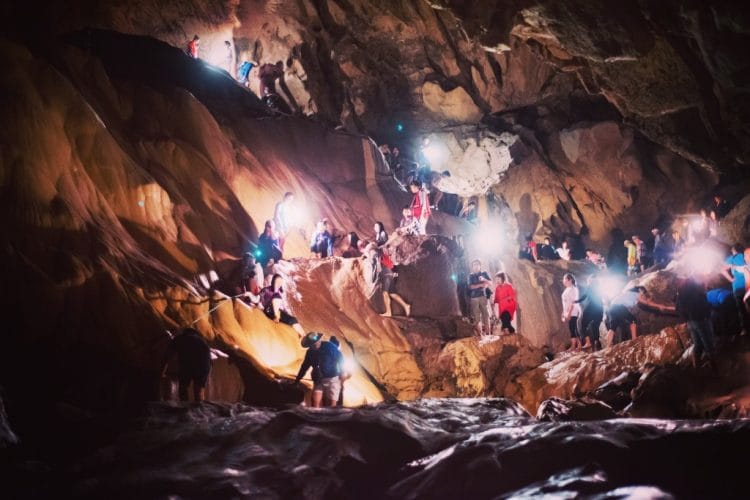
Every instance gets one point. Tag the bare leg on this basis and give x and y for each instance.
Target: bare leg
(199, 393)
(401, 302)
(633, 331)
(316, 399)
(298, 328)
(387, 302)
(183, 391)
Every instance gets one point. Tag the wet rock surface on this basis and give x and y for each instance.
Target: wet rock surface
(424, 449)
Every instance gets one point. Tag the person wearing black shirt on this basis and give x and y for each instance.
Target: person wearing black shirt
(194, 360)
(547, 251)
(479, 282)
(720, 207)
(692, 306)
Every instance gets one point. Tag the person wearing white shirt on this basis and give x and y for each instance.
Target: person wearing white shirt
(571, 310)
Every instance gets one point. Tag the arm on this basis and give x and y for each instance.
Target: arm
(276, 304)
(725, 272)
(306, 363)
(329, 238)
(167, 357)
(643, 301)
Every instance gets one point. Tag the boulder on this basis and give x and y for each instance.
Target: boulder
(560, 410)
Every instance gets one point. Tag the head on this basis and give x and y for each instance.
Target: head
(379, 228)
(270, 226)
(627, 243)
(226, 42)
(528, 238)
(738, 248)
(312, 340)
(569, 280)
(406, 211)
(196, 38)
(589, 252)
(445, 173)
(415, 186)
(703, 212)
(476, 265)
(288, 197)
(717, 198)
(564, 244)
(500, 278)
(712, 215)
(280, 65)
(335, 341)
(547, 241)
(395, 151)
(635, 238)
(248, 259)
(655, 231)
(321, 225)
(277, 282)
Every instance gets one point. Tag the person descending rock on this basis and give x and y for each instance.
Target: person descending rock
(274, 304)
(269, 74)
(381, 237)
(547, 250)
(321, 243)
(592, 314)
(505, 302)
(269, 247)
(194, 363)
(571, 310)
(408, 224)
(479, 283)
(734, 272)
(383, 279)
(420, 206)
(282, 217)
(193, 46)
(326, 362)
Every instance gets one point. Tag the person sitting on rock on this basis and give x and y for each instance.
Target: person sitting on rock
(571, 310)
(193, 46)
(528, 250)
(251, 281)
(409, 225)
(564, 251)
(420, 206)
(382, 278)
(595, 258)
(326, 362)
(469, 212)
(282, 217)
(479, 283)
(274, 305)
(352, 246)
(321, 243)
(505, 302)
(269, 247)
(547, 250)
(381, 237)
(194, 363)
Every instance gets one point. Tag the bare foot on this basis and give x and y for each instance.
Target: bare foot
(408, 310)
(386, 315)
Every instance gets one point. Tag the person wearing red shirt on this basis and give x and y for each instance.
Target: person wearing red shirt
(420, 206)
(192, 47)
(505, 302)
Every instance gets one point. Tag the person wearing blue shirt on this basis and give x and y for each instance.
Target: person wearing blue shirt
(733, 271)
(722, 305)
(321, 243)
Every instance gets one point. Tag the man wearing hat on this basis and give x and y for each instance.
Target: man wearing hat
(326, 362)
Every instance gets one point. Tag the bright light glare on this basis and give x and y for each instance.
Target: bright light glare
(435, 153)
(611, 286)
(489, 238)
(296, 215)
(349, 365)
(702, 260)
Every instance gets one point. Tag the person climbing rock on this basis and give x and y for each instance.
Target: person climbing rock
(420, 206)
(282, 217)
(321, 243)
(381, 237)
(692, 306)
(382, 279)
(274, 304)
(193, 46)
(478, 283)
(571, 310)
(623, 309)
(269, 247)
(194, 363)
(408, 224)
(326, 362)
(505, 302)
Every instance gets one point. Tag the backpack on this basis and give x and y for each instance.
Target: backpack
(329, 360)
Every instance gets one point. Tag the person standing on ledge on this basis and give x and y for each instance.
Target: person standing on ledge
(571, 310)
(479, 282)
(733, 271)
(326, 362)
(382, 278)
(505, 301)
(269, 247)
(420, 205)
(282, 217)
(193, 47)
(194, 363)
